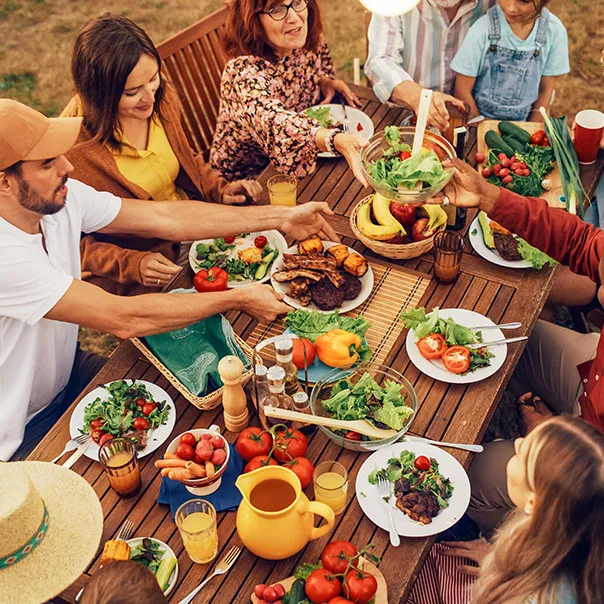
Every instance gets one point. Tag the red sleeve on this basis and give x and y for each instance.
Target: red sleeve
(561, 235)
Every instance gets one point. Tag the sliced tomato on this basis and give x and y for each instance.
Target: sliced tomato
(432, 346)
(403, 155)
(456, 359)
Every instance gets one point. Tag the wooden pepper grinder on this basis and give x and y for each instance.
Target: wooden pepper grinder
(234, 403)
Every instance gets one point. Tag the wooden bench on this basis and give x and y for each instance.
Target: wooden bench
(194, 61)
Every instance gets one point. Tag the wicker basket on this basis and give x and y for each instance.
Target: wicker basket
(397, 251)
(205, 403)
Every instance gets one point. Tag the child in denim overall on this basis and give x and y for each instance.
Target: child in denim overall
(508, 63)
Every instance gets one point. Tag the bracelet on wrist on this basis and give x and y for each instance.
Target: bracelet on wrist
(329, 144)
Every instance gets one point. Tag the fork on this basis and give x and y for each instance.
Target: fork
(383, 487)
(125, 531)
(514, 325)
(72, 444)
(222, 567)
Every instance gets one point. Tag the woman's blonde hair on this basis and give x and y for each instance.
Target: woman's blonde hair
(562, 540)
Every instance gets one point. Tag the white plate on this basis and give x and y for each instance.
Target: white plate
(374, 506)
(275, 240)
(435, 368)
(167, 551)
(477, 241)
(155, 438)
(356, 116)
(348, 305)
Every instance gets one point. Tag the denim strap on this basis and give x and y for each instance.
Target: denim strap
(542, 29)
(494, 30)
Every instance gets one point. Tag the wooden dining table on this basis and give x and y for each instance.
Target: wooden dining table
(451, 412)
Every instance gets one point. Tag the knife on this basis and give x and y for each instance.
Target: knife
(497, 342)
(440, 443)
(80, 451)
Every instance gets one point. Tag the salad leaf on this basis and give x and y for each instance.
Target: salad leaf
(536, 257)
(454, 333)
(311, 324)
(303, 571)
(394, 417)
(322, 115)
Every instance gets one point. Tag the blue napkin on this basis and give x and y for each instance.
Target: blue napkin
(226, 498)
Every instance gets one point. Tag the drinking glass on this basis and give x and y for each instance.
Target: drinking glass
(330, 481)
(589, 126)
(118, 458)
(196, 521)
(448, 251)
(282, 190)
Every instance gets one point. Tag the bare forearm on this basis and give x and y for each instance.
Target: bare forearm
(546, 89)
(406, 93)
(463, 91)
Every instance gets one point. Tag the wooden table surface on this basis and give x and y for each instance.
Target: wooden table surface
(449, 412)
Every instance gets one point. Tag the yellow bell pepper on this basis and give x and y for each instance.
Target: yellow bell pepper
(338, 348)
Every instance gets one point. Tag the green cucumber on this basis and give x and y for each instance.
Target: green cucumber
(495, 142)
(164, 571)
(263, 266)
(518, 146)
(514, 131)
(297, 593)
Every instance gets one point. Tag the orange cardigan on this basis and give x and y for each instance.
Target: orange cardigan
(113, 261)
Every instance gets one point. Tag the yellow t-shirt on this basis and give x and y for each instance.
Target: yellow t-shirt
(155, 168)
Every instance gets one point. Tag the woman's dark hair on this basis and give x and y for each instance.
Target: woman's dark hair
(106, 51)
(244, 34)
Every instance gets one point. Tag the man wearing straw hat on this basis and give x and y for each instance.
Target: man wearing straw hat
(42, 298)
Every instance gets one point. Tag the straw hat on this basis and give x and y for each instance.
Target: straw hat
(51, 523)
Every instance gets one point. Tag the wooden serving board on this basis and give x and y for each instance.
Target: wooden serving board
(381, 595)
(552, 196)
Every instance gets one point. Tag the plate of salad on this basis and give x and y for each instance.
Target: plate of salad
(134, 409)
(247, 258)
(439, 344)
(332, 115)
(496, 244)
(158, 557)
(430, 490)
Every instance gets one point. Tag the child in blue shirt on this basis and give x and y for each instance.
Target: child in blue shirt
(508, 63)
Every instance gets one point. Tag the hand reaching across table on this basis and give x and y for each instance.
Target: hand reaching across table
(308, 219)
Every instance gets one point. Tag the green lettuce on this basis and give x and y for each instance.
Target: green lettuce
(311, 324)
(393, 416)
(322, 115)
(423, 325)
(534, 256)
(409, 173)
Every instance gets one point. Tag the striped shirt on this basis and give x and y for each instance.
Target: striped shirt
(418, 46)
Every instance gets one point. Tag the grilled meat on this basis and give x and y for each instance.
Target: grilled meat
(298, 287)
(355, 264)
(315, 262)
(339, 253)
(401, 487)
(138, 437)
(310, 246)
(335, 277)
(326, 295)
(290, 275)
(351, 286)
(419, 506)
(507, 246)
(304, 299)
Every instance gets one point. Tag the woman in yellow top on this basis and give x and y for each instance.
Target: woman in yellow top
(132, 144)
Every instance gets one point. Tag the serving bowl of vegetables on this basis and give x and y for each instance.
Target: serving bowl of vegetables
(393, 171)
(371, 392)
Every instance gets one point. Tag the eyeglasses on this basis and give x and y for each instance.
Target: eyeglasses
(278, 13)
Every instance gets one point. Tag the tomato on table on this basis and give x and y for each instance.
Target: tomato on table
(298, 352)
(188, 439)
(537, 137)
(360, 586)
(456, 359)
(302, 468)
(321, 586)
(422, 463)
(335, 556)
(252, 442)
(148, 408)
(289, 444)
(259, 461)
(141, 423)
(432, 346)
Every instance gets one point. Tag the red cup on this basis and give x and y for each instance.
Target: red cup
(589, 127)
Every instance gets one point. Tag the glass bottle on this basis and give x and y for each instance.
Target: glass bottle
(284, 352)
(302, 405)
(277, 396)
(260, 385)
(456, 216)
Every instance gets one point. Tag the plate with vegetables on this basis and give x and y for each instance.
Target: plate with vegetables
(498, 245)
(332, 115)
(430, 490)
(133, 409)
(158, 557)
(246, 258)
(444, 344)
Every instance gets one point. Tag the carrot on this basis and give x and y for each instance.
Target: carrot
(170, 463)
(181, 474)
(196, 469)
(165, 471)
(168, 455)
(210, 469)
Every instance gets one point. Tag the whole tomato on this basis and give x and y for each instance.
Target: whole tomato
(259, 462)
(252, 442)
(148, 408)
(298, 352)
(188, 439)
(340, 600)
(302, 468)
(185, 451)
(360, 586)
(141, 401)
(336, 555)
(141, 423)
(321, 586)
(289, 444)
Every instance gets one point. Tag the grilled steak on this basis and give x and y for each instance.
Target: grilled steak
(138, 437)
(335, 277)
(290, 275)
(326, 295)
(419, 506)
(507, 246)
(314, 262)
(351, 286)
(298, 288)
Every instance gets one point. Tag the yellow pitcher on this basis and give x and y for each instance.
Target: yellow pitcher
(275, 519)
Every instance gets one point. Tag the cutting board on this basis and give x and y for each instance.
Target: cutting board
(552, 196)
(381, 595)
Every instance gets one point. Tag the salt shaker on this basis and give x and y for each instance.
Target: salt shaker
(234, 403)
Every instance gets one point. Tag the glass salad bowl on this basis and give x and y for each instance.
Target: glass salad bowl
(381, 375)
(378, 144)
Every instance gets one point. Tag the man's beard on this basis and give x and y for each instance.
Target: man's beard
(33, 202)
(446, 3)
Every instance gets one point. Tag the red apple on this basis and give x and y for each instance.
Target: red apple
(421, 231)
(403, 212)
(398, 239)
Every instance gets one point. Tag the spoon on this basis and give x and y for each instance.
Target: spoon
(422, 120)
(358, 425)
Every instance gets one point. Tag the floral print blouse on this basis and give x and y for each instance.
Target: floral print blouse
(260, 121)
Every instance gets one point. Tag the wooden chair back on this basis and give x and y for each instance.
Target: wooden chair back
(367, 15)
(194, 60)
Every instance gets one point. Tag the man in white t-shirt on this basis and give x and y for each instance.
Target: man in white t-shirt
(43, 300)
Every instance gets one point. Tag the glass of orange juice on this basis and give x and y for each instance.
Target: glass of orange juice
(282, 190)
(196, 521)
(118, 458)
(330, 480)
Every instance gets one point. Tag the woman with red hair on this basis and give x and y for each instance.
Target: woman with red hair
(279, 65)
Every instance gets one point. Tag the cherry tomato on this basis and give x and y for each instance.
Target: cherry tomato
(96, 435)
(290, 444)
(526, 172)
(218, 457)
(432, 346)
(302, 468)
(279, 589)
(188, 439)
(141, 401)
(148, 409)
(97, 423)
(229, 239)
(503, 173)
(259, 462)
(352, 435)
(259, 590)
(217, 442)
(486, 172)
(336, 555)
(252, 442)
(508, 179)
(104, 439)
(403, 155)
(519, 172)
(522, 165)
(514, 166)
(457, 359)
(506, 163)
(502, 156)
(260, 241)
(340, 600)
(298, 353)
(422, 463)
(359, 586)
(513, 159)
(359, 127)
(270, 595)
(185, 451)
(537, 137)
(321, 586)
(497, 168)
(545, 142)
(479, 157)
(140, 423)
